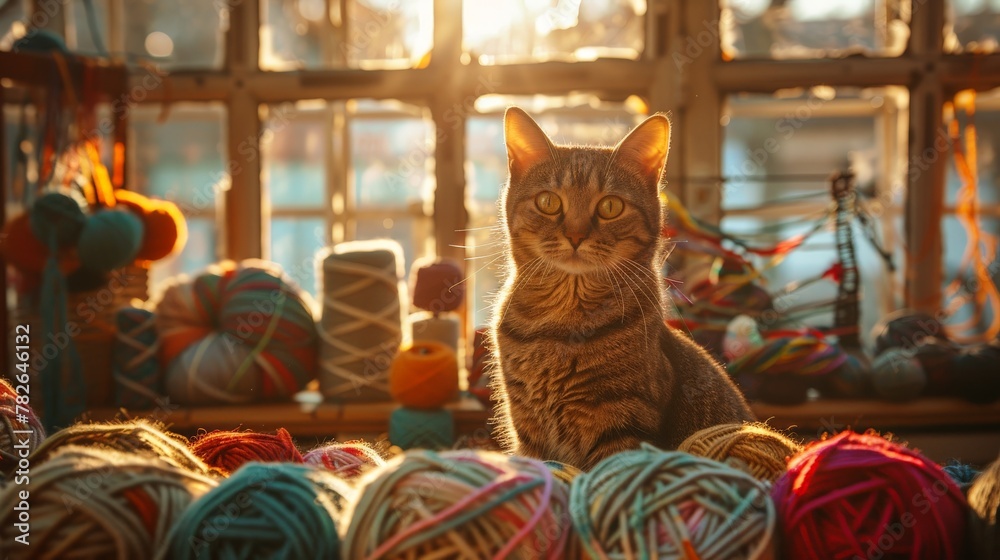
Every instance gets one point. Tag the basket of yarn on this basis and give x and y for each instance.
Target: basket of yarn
(649, 503)
(755, 448)
(859, 495)
(984, 500)
(468, 504)
(347, 460)
(265, 511)
(783, 369)
(236, 334)
(18, 423)
(228, 451)
(97, 503)
(424, 375)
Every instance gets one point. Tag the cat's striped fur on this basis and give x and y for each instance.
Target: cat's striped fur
(585, 365)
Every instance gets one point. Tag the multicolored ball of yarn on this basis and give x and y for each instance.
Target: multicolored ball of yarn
(861, 495)
(563, 471)
(347, 460)
(90, 503)
(228, 451)
(785, 368)
(236, 334)
(755, 448)
(984, 500)
(649, 503)
(16, 418)
(850, 380)
(459, 504)
(265, 511)
(138, 380)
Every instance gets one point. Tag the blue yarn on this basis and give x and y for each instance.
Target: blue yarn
(111, 239)
(64, 398)
(60, 214)
(424, 429)
(962, 474)
(138, 378)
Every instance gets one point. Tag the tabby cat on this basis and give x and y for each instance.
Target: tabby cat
(586, 367)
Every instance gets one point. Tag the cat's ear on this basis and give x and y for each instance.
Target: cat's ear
(645, 148)
(527, 144)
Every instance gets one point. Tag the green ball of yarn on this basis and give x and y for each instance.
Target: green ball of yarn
(110, 240)
(264, 511)
(897, 376)
(59, 214)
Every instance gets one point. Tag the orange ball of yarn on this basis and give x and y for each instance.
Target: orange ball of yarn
(424, 375)
(26, 252)
(166, 230)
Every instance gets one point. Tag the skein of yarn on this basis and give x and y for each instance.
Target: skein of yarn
(228, 451)
(984, 500)
(134, 356)
(361, 324)
(861, 495)
(468, 504)
(755, 448)
(347, 460)
(651, 503)
(16, 422)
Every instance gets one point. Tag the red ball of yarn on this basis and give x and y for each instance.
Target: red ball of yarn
(861, 496)
(437, 285)
(228, 451)
(347, 460)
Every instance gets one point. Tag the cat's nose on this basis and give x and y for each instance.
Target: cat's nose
(575, 238)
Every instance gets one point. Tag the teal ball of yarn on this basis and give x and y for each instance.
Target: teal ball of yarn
(264, 511)
(110, 240)
(897, 376)
(60, 215)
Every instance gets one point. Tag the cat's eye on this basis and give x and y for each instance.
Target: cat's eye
(610, 207)
(548, 202)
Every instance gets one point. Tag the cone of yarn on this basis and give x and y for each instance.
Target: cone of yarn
(166, 229)
(227, 451)
(18, 423)
(754, 448)
(906, 329)
(137, 437)
(984, 500)
(134, 357)
(90, 503)
(110, 239)
(459, 504)
(441, 328)
(424, 375)
(563, 471)
(265, 511)
(861, 495)
(346, 460)
(361, 323)
(236, 335)
(897, 376)
(648, 503)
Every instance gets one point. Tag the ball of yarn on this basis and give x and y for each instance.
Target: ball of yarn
(138, 379)
(166, 229)
(97, 503)
(58, 217)
(984, 500)
(755, 448)
(16, 418)
(111, 239)
(24, 251)
(850, 380)
(563, 471)
(424, 375)
(897, 376)
(346, 460)
(937, 357)
(861, 495)
(229, 450)
(7, 390)
(437, 285)
(976, 374)
(906, 329)
(783, 369)
(962, 474)
(651, 503)
(459, 504)
(236, 335)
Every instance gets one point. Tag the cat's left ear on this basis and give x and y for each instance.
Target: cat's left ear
(645, 148)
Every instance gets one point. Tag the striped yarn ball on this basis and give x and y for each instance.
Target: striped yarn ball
(755, 448)
(228, 451)
(346, 460)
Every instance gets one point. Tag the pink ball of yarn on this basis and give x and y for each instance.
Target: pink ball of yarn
(347, 460)
(861, 496)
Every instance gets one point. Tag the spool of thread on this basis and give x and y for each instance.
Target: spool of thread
(98, 503)
(110, 239)
(563, 471)
(227, 451)
(134, 354)
(136, 437)
(423, 429)
(165, 227)
(936, 358)
(976, 374)
(436, 284)
(906, 329)
(346, 460)
(783, 369)
(755, 448)
(650, 503)
(281, 511)
(58, 217)
(962, 474)
(17, 423)
(860, 495)
(479, 366)
(361, 324)
(984, 500)
(424, 375)
(443, 329)
(459, 504)
(897, 376)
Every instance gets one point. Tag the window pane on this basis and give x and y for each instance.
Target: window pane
(83, 25)
(367, 34)
(177, 33)
(538, 30)
(975, 26)
(294, 147)
(294, 243)
(392, 155)
(414, 234)
(810, 29)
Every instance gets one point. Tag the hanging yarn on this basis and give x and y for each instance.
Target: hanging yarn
(459, 504)
(563, 471)
(110, 239)
(976, 374)
(228, 451)
(236, 334)
(97, 503)
(134, 357)
(861, 495)
(897, 376)
(984, 500)
(265, 511)
(649, 503)
(346, 460)
(424, 375)
(361, 325)
(962, 474)
(906, 329)
(755, 448)
(165, 227)
(783, 369)
(18, 423)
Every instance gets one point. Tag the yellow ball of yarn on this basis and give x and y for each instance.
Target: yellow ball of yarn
(754, 448)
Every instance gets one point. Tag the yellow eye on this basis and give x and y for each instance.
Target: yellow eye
(610, 207)
(548, 202)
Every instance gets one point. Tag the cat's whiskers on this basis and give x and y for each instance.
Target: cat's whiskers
(496, 257)
(654, 301)
(638, 303)
(523, 275)
(618, 295)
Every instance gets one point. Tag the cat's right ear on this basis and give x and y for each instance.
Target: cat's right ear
(527, 144)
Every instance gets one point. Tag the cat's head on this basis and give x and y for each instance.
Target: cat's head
(583, 208)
